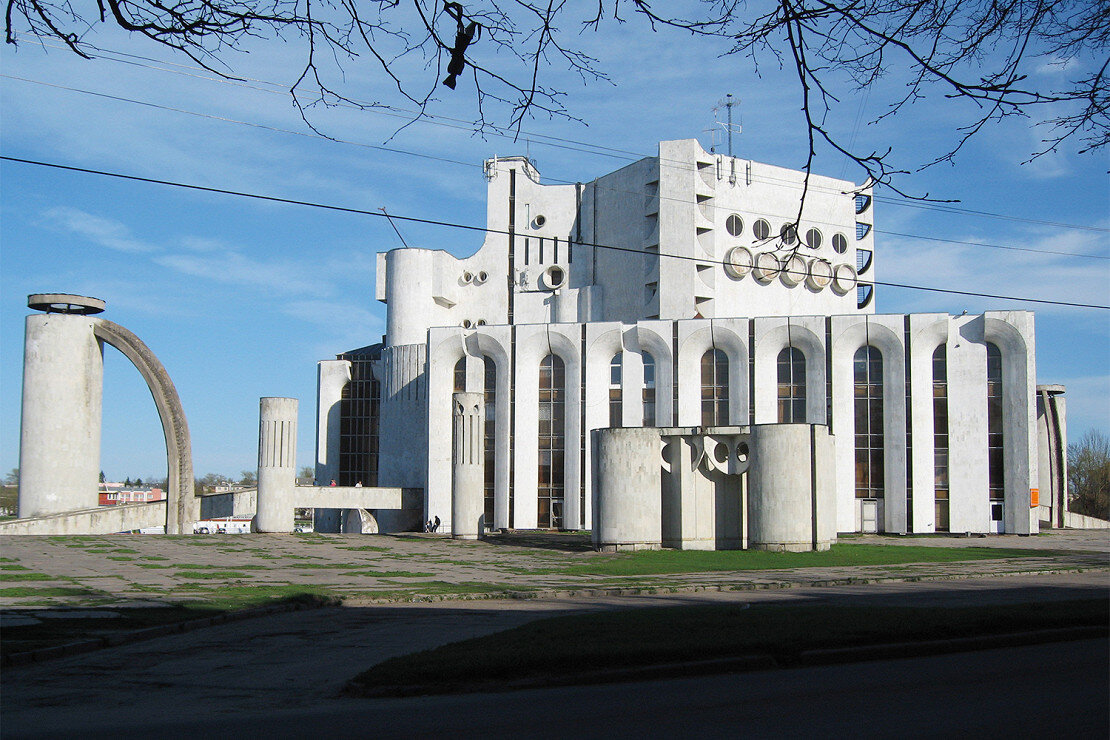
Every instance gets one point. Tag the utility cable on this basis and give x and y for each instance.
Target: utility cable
(548, 140)
(394, 150)
(488, 230)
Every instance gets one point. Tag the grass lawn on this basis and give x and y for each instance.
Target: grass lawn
(648, 562)
(570, 645)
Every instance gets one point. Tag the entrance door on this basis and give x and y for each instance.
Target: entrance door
(869, 516)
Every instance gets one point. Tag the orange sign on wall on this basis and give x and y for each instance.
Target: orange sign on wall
(1034, 498)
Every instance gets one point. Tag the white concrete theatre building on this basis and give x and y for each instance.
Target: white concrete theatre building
(671, 293)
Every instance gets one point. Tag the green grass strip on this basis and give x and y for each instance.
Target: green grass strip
(570, 645)
(653, 562)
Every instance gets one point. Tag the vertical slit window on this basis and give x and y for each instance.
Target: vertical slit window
(490, 439)
(552, 443)
(940, 438)
(714, 388)
(995, 459)
(867, 369)
(792, 386)
(649, 390)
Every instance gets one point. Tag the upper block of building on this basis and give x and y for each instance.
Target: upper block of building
(686, 234)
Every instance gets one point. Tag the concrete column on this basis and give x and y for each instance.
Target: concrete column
(629, 504)
(784, 483)
(331, 378)
(468, 459)
(59, 448)
(277, 464)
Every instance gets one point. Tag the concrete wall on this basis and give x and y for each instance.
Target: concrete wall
(1052, 453)
(100, 520)
(685, 488)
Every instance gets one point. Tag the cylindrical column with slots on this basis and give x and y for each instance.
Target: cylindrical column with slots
(277, 464)
(467, 489)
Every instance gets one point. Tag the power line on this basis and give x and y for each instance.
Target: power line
(545, 139)
(394, 150)
(487, 230)
(992, 246)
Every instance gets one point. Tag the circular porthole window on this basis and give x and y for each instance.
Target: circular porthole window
(481, 277)
(734, 225)
(467, 277)
(820, 274)
(761, 229)
(539, 221)
(466, 323)
(766, 267)
(844, 278)
(481, 322)
(840, 243)
(553, 278)
(813, 238)
(738, 262)
(794, 271)
(788, 234)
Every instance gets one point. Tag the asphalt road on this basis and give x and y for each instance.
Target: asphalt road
(279, 676)
(1052, 690)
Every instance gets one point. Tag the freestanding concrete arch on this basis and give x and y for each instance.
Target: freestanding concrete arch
(62, 390)
(183, 507)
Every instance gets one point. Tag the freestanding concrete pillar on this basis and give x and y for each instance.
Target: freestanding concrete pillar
(627, 501)
(332, 377)
(63, 378)
(277, 464)
(468, 484)
(791, 498)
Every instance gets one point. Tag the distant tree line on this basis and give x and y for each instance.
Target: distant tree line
(1089, 475)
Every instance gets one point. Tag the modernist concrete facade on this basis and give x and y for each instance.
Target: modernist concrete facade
(677, 293)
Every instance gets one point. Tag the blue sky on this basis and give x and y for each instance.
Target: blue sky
(241, 298)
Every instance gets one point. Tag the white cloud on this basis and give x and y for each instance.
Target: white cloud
(102, 231)
(236, 269)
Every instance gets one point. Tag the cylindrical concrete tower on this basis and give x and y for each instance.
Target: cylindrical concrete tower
(467, 489)
(789, 504)
(63, 380)
(628, 502)
(277, 464)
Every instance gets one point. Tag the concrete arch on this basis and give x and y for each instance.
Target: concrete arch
(533, 343)
(927, 332)
(767, 349)
(849, 335)
(714, 334)
(182, 507)
(1018, 421)
(442, 356)
(652, 343)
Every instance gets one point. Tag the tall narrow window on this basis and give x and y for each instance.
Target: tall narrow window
(616, 368)
(714, 388)
(940, 438)
(552, 443)
(792, 386)
(996, 484)
(649, 390)
(460, 375)
(868, 390)
(490, 439)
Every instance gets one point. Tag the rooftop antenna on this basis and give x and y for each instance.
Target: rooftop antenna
(729, 102)
(390, 219)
